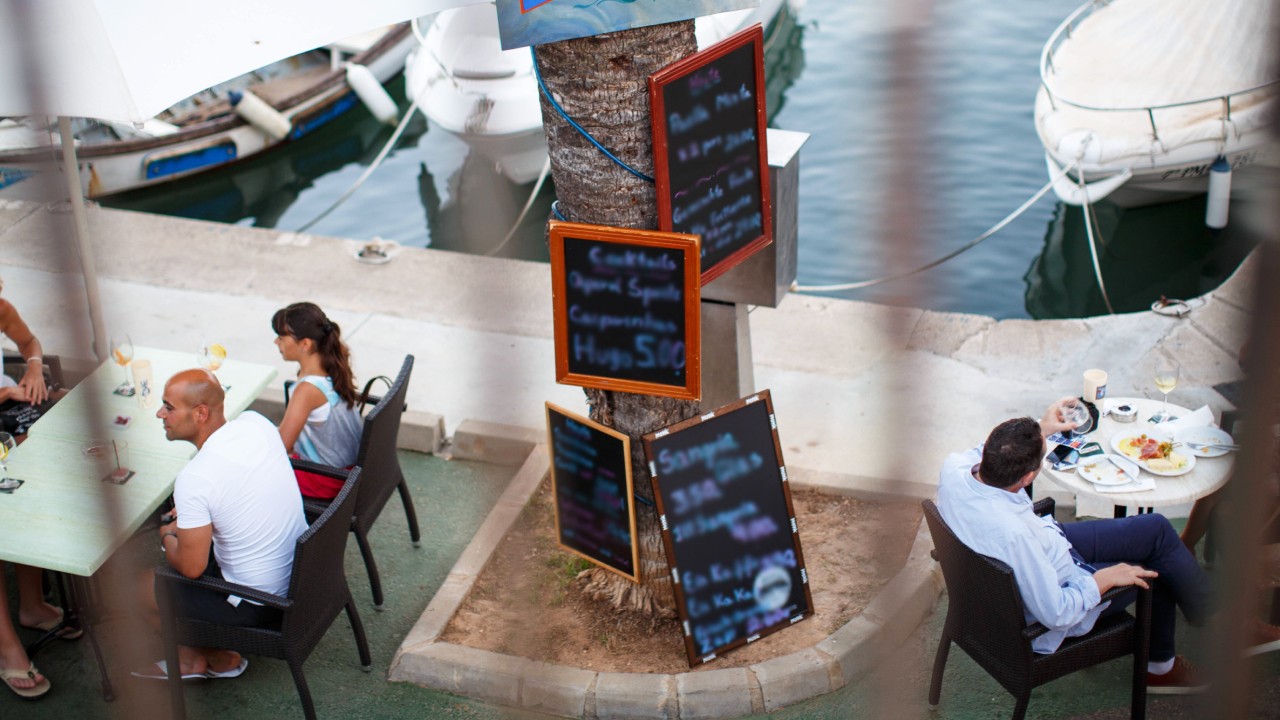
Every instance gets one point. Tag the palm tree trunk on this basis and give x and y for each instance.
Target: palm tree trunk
(601, 82)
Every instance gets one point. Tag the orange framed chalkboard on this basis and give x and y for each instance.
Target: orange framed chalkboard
(593, 491)
(711, 163)
(627, 309)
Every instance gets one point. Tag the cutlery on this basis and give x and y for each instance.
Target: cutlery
(1214, 446)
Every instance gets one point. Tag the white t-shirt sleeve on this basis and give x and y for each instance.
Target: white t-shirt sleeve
(191, 500)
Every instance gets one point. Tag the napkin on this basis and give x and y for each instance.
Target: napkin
(1138, 485)
(1200, 418)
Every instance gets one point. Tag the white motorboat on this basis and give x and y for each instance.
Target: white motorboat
(298, 95)
(467, 85)
(1139, 98)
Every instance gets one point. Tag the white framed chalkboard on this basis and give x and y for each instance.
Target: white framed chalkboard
(729, 527)
(711, 163)
(626, 307)
(593, 490)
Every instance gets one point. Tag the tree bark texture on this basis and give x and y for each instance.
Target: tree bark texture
(601, 82)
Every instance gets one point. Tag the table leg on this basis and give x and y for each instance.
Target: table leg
(81, 594)
(70, 619)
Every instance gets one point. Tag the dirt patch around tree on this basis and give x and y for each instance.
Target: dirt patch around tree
(528, 601)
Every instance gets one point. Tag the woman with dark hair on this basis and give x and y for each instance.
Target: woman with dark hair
(321, 421)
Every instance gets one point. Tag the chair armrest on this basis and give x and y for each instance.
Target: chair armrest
(320, 469)
(217, 584)
(1045, 506)
(1035, 630)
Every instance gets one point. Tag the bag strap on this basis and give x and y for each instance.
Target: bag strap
(364, 394)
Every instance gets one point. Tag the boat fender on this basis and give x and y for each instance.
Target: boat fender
(372, 94)
(259, 114)
(1215, 210)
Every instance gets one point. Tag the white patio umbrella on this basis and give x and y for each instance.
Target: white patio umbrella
(126, 60)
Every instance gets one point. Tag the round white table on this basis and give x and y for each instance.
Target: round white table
(1208, 475)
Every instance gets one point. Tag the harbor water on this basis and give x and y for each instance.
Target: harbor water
(828, 68)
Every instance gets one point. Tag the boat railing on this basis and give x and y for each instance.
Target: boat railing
(1063, 33)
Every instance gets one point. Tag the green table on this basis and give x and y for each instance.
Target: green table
(89, 411)
(65, 518)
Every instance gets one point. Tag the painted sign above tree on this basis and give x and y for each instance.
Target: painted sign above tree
(536, 22)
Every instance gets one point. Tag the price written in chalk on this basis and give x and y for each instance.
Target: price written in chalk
(626, 309)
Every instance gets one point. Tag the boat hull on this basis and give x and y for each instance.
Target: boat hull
(126, 165)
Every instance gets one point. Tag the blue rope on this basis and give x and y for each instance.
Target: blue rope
(555, 208)
(543, 86)
(643, 501)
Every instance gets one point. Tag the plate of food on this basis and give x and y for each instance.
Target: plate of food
(1107, 470)
(1155, 453)
(1207, 442)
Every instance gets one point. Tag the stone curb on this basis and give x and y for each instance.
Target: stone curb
(844, 656)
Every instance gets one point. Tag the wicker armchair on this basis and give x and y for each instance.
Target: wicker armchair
(317, 593)
(15, 366)
(382, 475)
(985, 618)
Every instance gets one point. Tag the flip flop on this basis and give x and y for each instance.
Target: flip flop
(161, 672)
(66, 633)
(31, 693)
(234, 672)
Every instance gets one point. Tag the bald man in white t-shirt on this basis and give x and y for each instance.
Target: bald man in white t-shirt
(238, 498)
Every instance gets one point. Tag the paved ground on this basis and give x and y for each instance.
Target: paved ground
(869, 399)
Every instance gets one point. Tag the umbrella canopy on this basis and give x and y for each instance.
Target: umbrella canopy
(126, 60)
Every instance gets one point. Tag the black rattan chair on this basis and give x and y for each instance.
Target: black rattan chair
(318, 591)
(15, 366)
(381, 472)
(985, 618)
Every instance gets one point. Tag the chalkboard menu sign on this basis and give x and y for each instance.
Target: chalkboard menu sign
(729, 527)
(591, 481)
(710, 161)
(627, 310)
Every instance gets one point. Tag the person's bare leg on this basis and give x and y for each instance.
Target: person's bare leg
(32, 609)
(12, 655)
(191, 661)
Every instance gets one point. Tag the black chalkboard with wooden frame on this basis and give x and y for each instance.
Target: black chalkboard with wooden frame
(729, 527)
(592, 488)
(711, 164)
(627, 311)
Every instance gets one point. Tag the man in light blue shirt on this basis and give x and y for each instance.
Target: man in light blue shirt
(1062, 570)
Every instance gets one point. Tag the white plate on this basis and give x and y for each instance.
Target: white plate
(1193, 439)
(1100, 470)
(1191, 459)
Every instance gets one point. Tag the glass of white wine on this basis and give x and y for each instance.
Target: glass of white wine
(122, 354)
(7, 443)
(1166, 379)
(211, 355)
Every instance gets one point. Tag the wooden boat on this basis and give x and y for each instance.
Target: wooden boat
(205, 131)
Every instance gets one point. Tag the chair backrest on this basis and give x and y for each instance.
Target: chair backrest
(15, 366)
(317, 584)
(985, 613)
(378, 449)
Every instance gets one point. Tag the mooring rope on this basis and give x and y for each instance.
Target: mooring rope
(971, 244)
(1093, 247)
(382, 155)
(542, 178)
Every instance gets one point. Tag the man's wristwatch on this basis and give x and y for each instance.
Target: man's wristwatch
(162, 537)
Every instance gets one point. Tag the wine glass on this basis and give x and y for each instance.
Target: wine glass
(122, 354)
(1166, 379)
(211, 355)
(1077, 413)
(7, 443)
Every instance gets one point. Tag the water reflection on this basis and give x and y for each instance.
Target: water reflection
(1145, 253)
